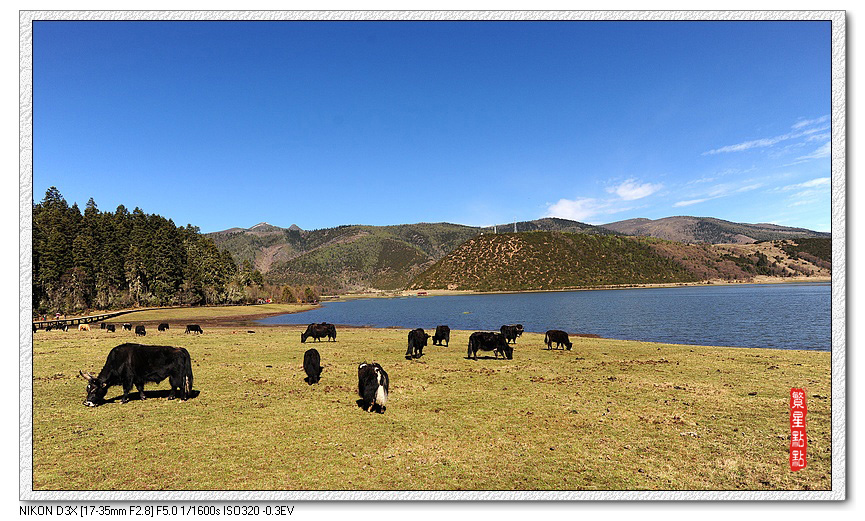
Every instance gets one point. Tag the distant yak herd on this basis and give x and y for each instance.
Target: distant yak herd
(132, 365)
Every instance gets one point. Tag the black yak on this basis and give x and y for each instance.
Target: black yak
(559, 337)
(486, 341)
(372, 386)
(312, 366)
(443, 333)
(417, 340)
(131, 365)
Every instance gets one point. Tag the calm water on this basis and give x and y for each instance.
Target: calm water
(780, 316)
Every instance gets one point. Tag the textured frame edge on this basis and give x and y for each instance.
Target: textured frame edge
(839, 382)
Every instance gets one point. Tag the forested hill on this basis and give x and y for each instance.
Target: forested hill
(110, 260)
(560, 260)
(357, 257)
(709, 229)
(345, 257)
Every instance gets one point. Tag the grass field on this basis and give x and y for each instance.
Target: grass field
(608, 415)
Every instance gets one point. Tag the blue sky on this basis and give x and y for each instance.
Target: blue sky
(224, 124)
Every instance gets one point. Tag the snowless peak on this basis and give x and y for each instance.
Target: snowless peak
(295, 228)
(265, 228)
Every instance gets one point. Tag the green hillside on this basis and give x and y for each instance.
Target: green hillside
(368, 261)
(809, 249)
(552, 224)
(708, 230)
(547, 253)
(559, 260)
(354, 257)
(550, 260)
(358, 257)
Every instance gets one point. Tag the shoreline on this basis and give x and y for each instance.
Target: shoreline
(758, 280)
(590, 336)
(681, 341)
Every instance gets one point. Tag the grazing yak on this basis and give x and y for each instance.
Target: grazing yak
(102, 325)
(511, 332)
(312, 366)
(417, 340)
(443, 333)
(372, 385)
(139, 331)
(83, 327)
(110, 328)
(319, 331)
(127, 327)
(193, 328)
(162, 327)
(487, 341)
(559, 337)
(131, 365)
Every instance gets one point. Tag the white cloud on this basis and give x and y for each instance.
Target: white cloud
(631, 189)
(578, 209)
(823, 151)
(748, 188)
(765, 142)
(808, 122)
(718, 191)
(820, 181)
(692, 201)
(719, 174)
(584, 208)
(725, 189)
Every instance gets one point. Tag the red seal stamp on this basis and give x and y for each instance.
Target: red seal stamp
(798, 438)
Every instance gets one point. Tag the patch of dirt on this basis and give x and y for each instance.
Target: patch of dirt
(269, 256)
(637, 362)
(56, 376)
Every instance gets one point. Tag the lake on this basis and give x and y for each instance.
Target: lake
(779, 316)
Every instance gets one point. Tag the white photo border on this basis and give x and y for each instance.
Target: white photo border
(839, 331)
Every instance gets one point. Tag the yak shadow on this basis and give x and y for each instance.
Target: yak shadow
(485, 357)
(161, 393)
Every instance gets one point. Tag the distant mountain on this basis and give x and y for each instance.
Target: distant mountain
(549, 260)
(265, 228)
(550, 224)
(708, 229)
(562, 260)
(345, 257)
(270, 247)
(356, 257)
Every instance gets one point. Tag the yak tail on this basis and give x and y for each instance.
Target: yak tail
(547, 339)
(381, 391)
(381, 395)
(187, 374)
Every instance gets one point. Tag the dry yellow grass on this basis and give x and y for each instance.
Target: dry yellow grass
(608, 415)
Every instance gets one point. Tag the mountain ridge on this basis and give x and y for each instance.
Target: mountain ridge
(565, 260)
(356, 257)
(690, 229)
